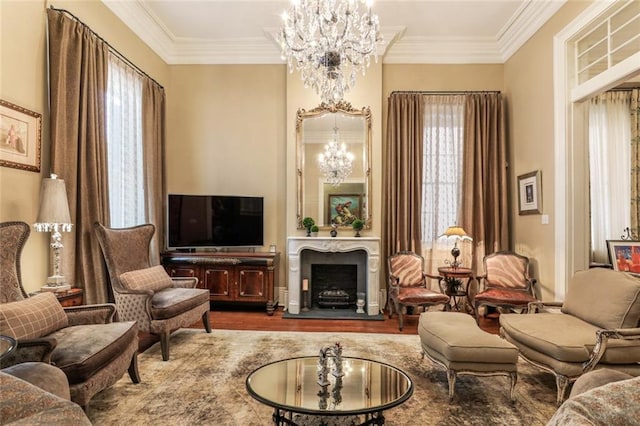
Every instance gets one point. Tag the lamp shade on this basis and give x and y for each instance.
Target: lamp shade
(54, 207)
(456, 231)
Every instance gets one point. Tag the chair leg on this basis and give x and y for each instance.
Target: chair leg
(164, 344)
(451, 380)
(399, 309)
(205, 322)
(514, 379)
(133, 369)
(562, 383)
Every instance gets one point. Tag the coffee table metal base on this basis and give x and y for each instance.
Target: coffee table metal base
(283, 417)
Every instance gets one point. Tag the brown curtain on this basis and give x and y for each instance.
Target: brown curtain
(153, 133)
(402, 189)
(78, 80)
(635, 162)
(485, 185)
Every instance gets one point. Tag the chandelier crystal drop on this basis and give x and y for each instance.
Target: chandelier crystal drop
(335, 162)
(329, 42)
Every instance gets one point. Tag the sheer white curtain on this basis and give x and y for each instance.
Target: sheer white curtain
(124, 145)
(442, 177)
(609, 169)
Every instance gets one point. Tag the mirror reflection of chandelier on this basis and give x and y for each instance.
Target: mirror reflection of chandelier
(335, 162)
(329, 41)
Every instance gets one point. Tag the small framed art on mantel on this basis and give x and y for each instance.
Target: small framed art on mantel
(530, 193)
(20, 137)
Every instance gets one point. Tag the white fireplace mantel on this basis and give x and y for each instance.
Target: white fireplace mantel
(295, 246)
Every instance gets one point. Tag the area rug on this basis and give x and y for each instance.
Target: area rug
(204, 383)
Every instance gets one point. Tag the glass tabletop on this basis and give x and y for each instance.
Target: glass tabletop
(366, 387)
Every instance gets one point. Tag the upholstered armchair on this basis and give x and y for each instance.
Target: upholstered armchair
(146, 294)
(597, 326)
(408, 284)
(13, 236)
(506, 282)
(84, 342)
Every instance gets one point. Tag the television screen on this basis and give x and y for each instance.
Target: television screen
(197, 221)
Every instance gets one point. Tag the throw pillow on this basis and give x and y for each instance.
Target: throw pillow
(154, 278)
(34, 317)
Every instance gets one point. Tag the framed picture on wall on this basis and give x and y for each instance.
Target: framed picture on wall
(529, 193)
(624, 255)
(344, 208)
(20, 137)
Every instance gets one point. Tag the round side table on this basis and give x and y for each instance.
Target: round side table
(460, 297)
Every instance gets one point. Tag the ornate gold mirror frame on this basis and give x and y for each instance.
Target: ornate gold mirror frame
(316, 198)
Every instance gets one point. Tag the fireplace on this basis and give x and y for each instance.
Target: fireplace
(336, 269)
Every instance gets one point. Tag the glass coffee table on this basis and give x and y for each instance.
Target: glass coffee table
(367, 389)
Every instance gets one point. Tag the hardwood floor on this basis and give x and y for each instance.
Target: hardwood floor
(257, 319)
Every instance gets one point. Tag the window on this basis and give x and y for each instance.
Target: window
(124, 145)
(442, 164)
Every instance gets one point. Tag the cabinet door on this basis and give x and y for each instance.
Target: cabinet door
(251, 284)
(218, 281)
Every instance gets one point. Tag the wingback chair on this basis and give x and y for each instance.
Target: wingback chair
(506, 282)
(146, 294)
(408, 284)
(13, 237)
(83, 341)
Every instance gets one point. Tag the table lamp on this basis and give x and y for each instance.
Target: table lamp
(54, 217)
(457, 233)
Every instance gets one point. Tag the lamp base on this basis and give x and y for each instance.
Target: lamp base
(56, 283)
(55, 288)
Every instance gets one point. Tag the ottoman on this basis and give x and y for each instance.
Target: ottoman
(454, 341)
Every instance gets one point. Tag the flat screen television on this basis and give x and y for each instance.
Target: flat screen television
(211, 221)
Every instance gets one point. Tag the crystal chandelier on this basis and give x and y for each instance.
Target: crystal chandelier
(335, 162)
(329, 41)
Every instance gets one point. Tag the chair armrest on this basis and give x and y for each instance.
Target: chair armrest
(602, 339)
(537, 306)
(185, 282)
(91, 314)
(31, 350)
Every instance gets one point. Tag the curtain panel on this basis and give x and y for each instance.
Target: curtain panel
(402, 188)
(78, 81)
(485, 207)
(78, 76)
(635, 162)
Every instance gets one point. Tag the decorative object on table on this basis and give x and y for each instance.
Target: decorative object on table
(54, 217)
(329, 42)
(307, 223)
(358, 225)
(323, 363)
(454, 285)
(530, 193)
(335, 162)
(314, 230)
(334, 230)
(360, 302)
(624, 255)
(457, 233)
(20, 133)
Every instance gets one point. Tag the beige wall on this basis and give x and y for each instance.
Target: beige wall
(529, 88)
(212, 149)
(23, 82)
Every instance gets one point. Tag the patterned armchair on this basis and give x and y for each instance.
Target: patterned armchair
(13, 237)
(83, 341)
(146, 294)
(506, 282)
(408, 284)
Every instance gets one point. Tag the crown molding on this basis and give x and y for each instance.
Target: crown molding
(396, 48)
(527, 20)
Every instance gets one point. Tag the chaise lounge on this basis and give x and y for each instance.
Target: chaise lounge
(597, 327)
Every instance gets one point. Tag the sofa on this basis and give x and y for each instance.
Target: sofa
(83, 341)
(601, 397)
(597, 326)
(35, 393)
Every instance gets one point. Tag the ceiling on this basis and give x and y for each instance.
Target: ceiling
(414, 31)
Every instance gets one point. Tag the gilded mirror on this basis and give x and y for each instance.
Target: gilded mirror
(333, 203)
